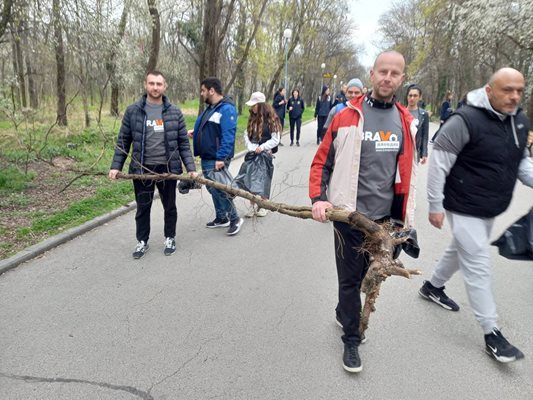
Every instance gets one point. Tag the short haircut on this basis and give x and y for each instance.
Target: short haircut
(414, 87)
(213, 83)
(155, 73)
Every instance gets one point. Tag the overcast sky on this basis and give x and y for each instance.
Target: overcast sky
(366, 14)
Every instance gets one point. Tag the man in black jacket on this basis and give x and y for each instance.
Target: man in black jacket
(156, 130)
(477, 157)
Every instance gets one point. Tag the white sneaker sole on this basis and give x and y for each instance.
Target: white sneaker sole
(142, 255)
(241, 221)
(436, 301)
(501, 359)
(218, 226)
(352, 370)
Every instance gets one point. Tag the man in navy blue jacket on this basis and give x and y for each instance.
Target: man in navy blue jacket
(214, 142)
(154, 130)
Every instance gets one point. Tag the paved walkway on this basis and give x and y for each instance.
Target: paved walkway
(247, 317)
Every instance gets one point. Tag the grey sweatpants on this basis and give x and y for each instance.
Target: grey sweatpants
(469, 251)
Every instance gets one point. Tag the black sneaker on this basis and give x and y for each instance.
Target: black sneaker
(437, 295)
(292, 144)
(361, 335)
(350, 359)
(218, 223)
(500, 349)
(140, 250)
(235, 227)
(298, 144)
(170, 246)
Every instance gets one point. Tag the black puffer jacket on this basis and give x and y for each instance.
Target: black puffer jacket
(133, 130)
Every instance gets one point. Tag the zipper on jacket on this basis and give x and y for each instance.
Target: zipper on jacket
(142, 142)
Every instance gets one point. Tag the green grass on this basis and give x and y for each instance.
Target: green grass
(106, 199)
(86, 149)
(12, 179)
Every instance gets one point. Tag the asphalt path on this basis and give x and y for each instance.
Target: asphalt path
(250, 316)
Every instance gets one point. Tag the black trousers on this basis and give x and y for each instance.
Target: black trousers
(321, 121)
(144, 196)
(352, 266)
(298, 123)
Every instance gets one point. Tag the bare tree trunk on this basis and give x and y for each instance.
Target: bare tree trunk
(212, 38)
(244, 56)
(112, 66)
(20, 67)
(6, 16)
(32, 90)
(15, 93)
(156, 36)
(60, 64)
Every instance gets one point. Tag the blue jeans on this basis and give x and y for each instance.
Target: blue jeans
(224, 206)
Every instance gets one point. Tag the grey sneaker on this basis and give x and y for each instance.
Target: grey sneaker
(235, 227)
(170, 246)
(140, 250)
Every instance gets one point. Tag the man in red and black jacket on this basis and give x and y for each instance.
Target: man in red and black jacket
(367, 163)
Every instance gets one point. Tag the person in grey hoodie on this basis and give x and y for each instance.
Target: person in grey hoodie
(478, 156)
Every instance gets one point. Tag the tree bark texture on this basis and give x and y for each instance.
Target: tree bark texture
(20, 67)
(6, 16)
(60, 65)
(156, 36)
(111, 65)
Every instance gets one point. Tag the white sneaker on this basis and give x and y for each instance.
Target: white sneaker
(251, 213)
(261, 212)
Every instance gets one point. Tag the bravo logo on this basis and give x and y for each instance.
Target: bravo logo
(157, 124)
(384, 140)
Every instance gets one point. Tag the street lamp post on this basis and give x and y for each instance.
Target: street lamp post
(322, 66)
(287, 33)
(334, 85)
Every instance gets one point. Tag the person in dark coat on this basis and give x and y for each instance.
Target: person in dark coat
(476, 160)
(296, 108)
(323, 105)
(156, 130)
(414, 97)
(280, 106)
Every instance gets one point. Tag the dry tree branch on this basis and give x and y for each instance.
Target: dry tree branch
(379, 242)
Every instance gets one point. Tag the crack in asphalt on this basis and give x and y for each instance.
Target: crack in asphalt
(175, 372)
(37, 379)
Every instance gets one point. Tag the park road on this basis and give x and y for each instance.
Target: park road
(250, 316)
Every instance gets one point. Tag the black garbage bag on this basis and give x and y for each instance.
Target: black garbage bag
(410, 246)
(516, 243)
(255, 175)
(221, 176)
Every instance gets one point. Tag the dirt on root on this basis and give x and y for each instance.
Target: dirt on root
(44, 196)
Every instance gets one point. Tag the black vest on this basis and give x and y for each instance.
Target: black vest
(482, 180)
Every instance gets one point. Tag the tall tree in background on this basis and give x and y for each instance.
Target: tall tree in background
(6, 16)
(111, 64)
(156, 35)
(60, 64)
